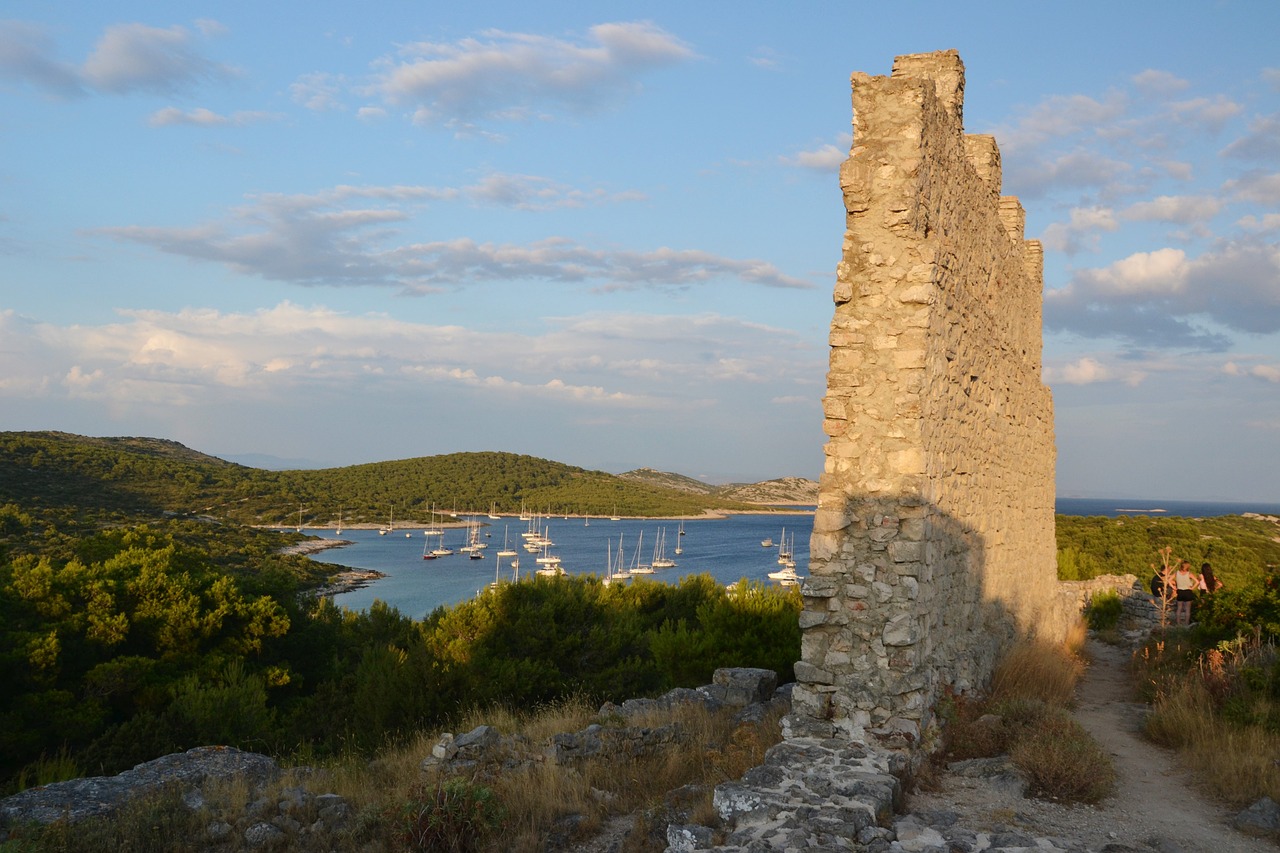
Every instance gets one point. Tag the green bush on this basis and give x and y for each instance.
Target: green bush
(456, 816)
(1104, 610)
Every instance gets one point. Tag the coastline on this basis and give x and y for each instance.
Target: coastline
(486, 521)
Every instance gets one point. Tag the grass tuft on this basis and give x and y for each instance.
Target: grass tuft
(1025, 715)
(1220, 709)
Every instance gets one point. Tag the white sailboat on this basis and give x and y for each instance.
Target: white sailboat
(680, 550)
(391, 522)
(617, 567)
(507, 550)
(338, 530)
(660, 558)
(783, 553)
(638, 568)
(548, 563)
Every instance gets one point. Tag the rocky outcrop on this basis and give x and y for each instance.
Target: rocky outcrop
(484, 750)
(292, 815)
(95, 796)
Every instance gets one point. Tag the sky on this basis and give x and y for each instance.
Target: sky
(326, 233)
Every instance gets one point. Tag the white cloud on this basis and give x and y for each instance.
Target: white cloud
(1266, 372)
(1085, 371)
(1260, 224)
(1211, 114)
(26, 55)
(1262, 142)
(825, 158)
(1160, 272)
(319, 91)
(1088, 370)
(1183, 210)
(1062, 116)
(201, 117)
(195, 357)
(766, 58)
(321, 239)
(136, 57)
(126, 58)
(531, 192)
(1080, 231)
(1156, 82)
(1165, 299)
(505, 76)
(1258, 187)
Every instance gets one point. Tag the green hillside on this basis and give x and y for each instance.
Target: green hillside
(128, 477)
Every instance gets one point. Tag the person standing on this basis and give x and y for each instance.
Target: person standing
(1185, 583)
(1208, 582)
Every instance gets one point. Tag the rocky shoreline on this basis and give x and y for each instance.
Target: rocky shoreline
(347, 579)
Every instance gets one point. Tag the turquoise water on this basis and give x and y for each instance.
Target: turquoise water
(728, 549)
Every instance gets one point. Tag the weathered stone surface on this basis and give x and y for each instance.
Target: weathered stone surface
(103, 795)
(1261, 819)
(938, 485)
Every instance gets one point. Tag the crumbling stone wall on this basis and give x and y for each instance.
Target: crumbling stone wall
(933, 542)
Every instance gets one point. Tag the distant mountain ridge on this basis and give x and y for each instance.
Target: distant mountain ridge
(780, 491)
(145, 477)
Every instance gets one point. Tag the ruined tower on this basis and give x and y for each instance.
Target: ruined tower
(933, 542)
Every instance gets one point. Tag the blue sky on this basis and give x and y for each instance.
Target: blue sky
(606, 233)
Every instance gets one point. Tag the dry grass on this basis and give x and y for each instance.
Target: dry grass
(1037, 670)
(396, 806)
(541, 798)
(1026, 716)
(1225, 730)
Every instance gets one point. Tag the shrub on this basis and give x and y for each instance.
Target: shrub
(1062, 761)
(456, 816)
(1104, 610)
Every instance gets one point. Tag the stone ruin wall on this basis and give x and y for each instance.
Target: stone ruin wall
(933, 542)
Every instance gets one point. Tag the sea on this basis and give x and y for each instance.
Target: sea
(729, 548)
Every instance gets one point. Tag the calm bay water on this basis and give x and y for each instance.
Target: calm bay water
(728, 549)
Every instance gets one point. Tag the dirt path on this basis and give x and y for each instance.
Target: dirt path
(1155, 795)
(1155, 804)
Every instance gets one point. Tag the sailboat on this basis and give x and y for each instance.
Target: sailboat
(619, 569)
(338, 530)
(299, 519)
(507, 550)
(783, 553)
(549, 564)
(680, 550)
(391, 522)
(432, 528)
(638, 568)
(493, 510)
(614, 569)
(660, 558)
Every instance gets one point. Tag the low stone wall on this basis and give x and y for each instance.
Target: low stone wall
(1140, 610)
